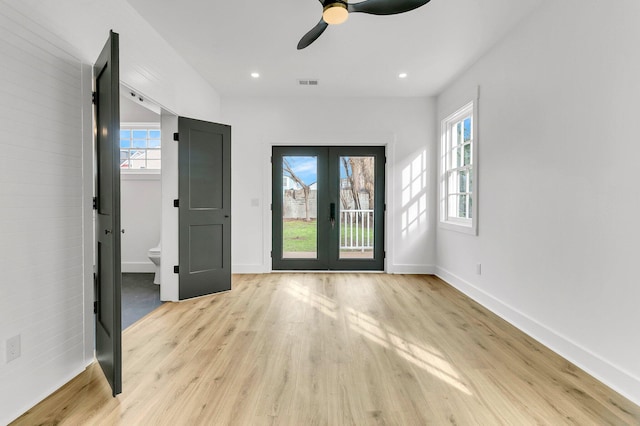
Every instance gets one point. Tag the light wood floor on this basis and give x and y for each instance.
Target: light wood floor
(334, 349)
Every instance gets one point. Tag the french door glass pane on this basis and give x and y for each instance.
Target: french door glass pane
(299, 207)
(356, 213)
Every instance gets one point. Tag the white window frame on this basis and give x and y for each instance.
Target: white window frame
(447, 220)
(148, 126)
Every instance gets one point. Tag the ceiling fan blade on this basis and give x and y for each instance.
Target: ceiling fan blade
(385, 7)
(312, 35)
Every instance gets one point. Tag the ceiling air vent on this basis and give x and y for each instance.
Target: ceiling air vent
(308, 82)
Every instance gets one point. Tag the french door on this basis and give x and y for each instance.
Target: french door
(328, 208)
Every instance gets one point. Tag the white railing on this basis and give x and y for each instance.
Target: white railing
(356, 230)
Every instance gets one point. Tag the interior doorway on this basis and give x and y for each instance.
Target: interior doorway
(328, 208)
(141, 197)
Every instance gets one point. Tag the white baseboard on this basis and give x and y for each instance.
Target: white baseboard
(615, 377)
(411, 269)
(6, 418)
(391, 269)
(249, 269)
(138, 267)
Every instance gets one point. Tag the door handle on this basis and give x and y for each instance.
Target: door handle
(107, 231)
(332, 214)
(122, 230)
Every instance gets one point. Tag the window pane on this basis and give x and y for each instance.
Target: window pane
(154, 143)
(470, 174)
(125, 143)
(470, 207)
(125, 134)
(467, 154)
(463, 181)
(140, 134)
(139, 143)
(453, 181)
(458, 157)
(124, 159)
(355, 215)
(153, 164)
(462, 206)
(452, 207)
(467, 129)
(299, 207)
(154, 154)
(154, 134)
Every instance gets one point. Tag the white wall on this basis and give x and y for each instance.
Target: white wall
(147, 63)
(169, 285)
(405, 125)
(46, 238)
(41, 212)
(140, 196)
(558, 239)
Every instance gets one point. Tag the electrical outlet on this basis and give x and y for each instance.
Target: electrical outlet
(479, 268)
(13, 348)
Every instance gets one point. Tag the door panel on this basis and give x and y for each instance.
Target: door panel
(357, 179)
(300, 217)
(335, 223)
(204, 158)
(300, 181)
(108, 276)
(357, 214)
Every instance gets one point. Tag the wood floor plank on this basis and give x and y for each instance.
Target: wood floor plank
(334, 349)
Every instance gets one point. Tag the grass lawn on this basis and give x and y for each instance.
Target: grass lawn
(301, 236)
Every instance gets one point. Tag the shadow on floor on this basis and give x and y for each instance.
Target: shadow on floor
(139, 297)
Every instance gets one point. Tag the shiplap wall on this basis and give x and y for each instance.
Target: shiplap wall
(41, 214)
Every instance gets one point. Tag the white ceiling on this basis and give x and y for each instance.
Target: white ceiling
(227, 40)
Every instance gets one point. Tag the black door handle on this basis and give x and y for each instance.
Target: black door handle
(332, 214)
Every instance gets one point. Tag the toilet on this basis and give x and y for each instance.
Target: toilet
(154, 255)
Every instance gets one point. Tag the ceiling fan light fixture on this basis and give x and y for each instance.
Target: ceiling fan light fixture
(335, 13)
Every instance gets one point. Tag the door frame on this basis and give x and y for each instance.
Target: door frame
(377, 139)
(169, 227)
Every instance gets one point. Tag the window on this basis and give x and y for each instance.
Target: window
(458, 199)
(140, 146)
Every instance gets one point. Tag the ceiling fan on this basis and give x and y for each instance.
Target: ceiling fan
(337, 11)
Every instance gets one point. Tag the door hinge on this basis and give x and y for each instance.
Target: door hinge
(176, 269)
(385, 207)
(94, 97)
(176, 137)
(95, 308)
(176, 203)
(95, 203)
(384, 254)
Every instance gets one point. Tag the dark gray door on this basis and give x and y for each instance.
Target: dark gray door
(204, 161)
(108, 278)
(328, 208)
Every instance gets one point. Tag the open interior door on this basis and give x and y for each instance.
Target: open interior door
(108, 278)
(204, 191)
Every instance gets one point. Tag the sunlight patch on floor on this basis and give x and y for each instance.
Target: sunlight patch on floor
(317, 301)
(426, 358)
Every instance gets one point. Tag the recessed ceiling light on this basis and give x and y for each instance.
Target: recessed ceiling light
(402, 75)
(255, 75)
